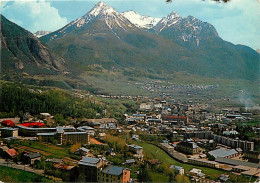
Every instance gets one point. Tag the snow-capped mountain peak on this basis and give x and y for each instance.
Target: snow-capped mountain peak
(171, 19)
(101, 9)
(168, 21)
(100, 12)
(140, 20)
(173, 15)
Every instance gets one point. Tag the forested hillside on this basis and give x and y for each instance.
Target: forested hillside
(18, 99)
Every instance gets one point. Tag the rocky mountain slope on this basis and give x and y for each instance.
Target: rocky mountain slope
(21, 51)
(200, 37)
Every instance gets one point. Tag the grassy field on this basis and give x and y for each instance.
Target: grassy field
(114, 83)
(8, 174)
(157, 177)
(155, 152)
(46, 149)
(118, 84)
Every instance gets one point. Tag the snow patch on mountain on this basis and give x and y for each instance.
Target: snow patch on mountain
(41, 33)
(168, 21)
(140, 21)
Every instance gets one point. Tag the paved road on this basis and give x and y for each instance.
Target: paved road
(21, 167)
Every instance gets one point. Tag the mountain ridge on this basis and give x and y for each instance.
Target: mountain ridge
(174, 44)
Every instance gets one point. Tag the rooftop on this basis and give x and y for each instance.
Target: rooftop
(222, 152)
(113, 170)
(11, 152)
(236, 162)
(135, 146)
(176, 167)
(87, 161)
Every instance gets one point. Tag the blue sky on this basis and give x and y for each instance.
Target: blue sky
(237, 22)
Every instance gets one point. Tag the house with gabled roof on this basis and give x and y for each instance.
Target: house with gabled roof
(114, 174)
(11, 153)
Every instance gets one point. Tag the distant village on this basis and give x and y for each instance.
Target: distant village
(188, 133)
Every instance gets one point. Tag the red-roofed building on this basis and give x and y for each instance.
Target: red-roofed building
(11, 153)
(33, 124)
(8, 123)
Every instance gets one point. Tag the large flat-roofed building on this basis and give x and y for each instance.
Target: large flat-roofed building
(89, 168)
(224, 153)
(31, 129)
(202, 162)
(63, 137)
(114, 174)
(235, 162)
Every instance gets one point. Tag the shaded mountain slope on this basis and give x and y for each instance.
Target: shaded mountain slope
(21, 51)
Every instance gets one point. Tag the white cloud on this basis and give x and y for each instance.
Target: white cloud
(34, 15)
(243, 24)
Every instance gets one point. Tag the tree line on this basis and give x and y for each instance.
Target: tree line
(17, 99)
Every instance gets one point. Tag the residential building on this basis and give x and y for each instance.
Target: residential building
(10, 153)
(138, 150)
(129, 161)
(187, 147)
(87, 129)
(234, 143)
(82, 151)
(253, 156)
(178, 119)
(114, 174)
(8, 123)
(223, 178)
(231, 132)
(145, 106)
(45, 115)
(30, 158)
(178, 168)
(198, 172)
(96, 123)
(89, 168)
